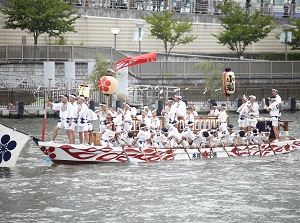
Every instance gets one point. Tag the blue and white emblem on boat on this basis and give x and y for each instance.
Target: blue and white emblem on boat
(6, 146)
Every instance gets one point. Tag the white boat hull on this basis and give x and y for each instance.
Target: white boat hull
(80, 154)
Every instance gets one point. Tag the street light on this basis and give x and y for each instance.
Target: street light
(140, 26)
(286, 28)
(115, 31)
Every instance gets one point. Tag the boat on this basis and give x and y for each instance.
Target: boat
(61, 153)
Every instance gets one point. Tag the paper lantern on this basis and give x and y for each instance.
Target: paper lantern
(108, 85)
(84, 89)
(228, 80)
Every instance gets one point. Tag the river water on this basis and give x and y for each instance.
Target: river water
(241, 189)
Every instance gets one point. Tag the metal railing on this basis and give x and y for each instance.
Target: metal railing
(208, 7)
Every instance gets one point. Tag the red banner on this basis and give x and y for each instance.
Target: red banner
(132, 61)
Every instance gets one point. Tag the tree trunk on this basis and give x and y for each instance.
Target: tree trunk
(35, 36)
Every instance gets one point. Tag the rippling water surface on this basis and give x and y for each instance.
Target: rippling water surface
(247, 189)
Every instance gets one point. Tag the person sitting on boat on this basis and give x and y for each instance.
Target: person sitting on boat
(82, 125)
(214, 112)
(263, 137)
(143, 118)
(243, 113)
(180, 107)
(173, 135)
(117, 120)
(239, 138)
(251, 137)
(108, 136)
(71, 129)
(225, 136)
(160, 139)
(143, 136)
(154, 122)
(213, 139)
(103, 114)
(187, 135)
(148, 111)
(252, 113)
(127, 118)
(169, 111)
(201, 139)
(222, 118)
(274, 112)
(65, 115)
(125, 139)
(189, 115)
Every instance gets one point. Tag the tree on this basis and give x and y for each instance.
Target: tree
(171, 31)
(100, 70)
(242, 28)
(53, 17)
(213, 73)
(295, 34)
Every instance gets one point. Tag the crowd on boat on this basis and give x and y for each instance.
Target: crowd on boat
(115, 126)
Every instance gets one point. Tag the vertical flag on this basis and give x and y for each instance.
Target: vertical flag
(11, 145)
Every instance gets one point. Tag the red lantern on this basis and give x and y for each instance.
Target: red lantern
(108, 84)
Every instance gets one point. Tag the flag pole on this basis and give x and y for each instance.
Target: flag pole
(45, 114)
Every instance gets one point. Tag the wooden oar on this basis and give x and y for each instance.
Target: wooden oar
(45, 114)
(142, 151)
(122, 146)
(272, 149)
(224, 148)
(258, 145)
(156, 150)
(185, 149)
(199, 151)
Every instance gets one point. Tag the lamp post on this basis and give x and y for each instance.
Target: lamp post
(286, 27)
(140, 26)
(115, 31)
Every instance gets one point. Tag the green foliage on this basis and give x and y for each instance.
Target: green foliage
(213, 73)
(295, 34)
(100, 70)
(242, 28)
(171, 31)
(53, 17)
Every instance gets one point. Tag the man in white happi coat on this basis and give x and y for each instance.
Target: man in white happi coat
(169, 111)
(222, 118)
(243, 114)
(143, 118)
(65, 115)
(274, 112)
(127, 118)
(214, 111)
(148, 111)
(71, 129)
(180, 107)
(143, 136)
(174, 136)
(154, 122)
(189, 115)
(278, 100)
(117, 120)
(103, 113)
(82, 126)
(160, 139)
(187, 136)
(253, 113)
(108, 136)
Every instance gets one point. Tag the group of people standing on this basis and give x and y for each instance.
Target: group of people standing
(249, 112)
(74, 113)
